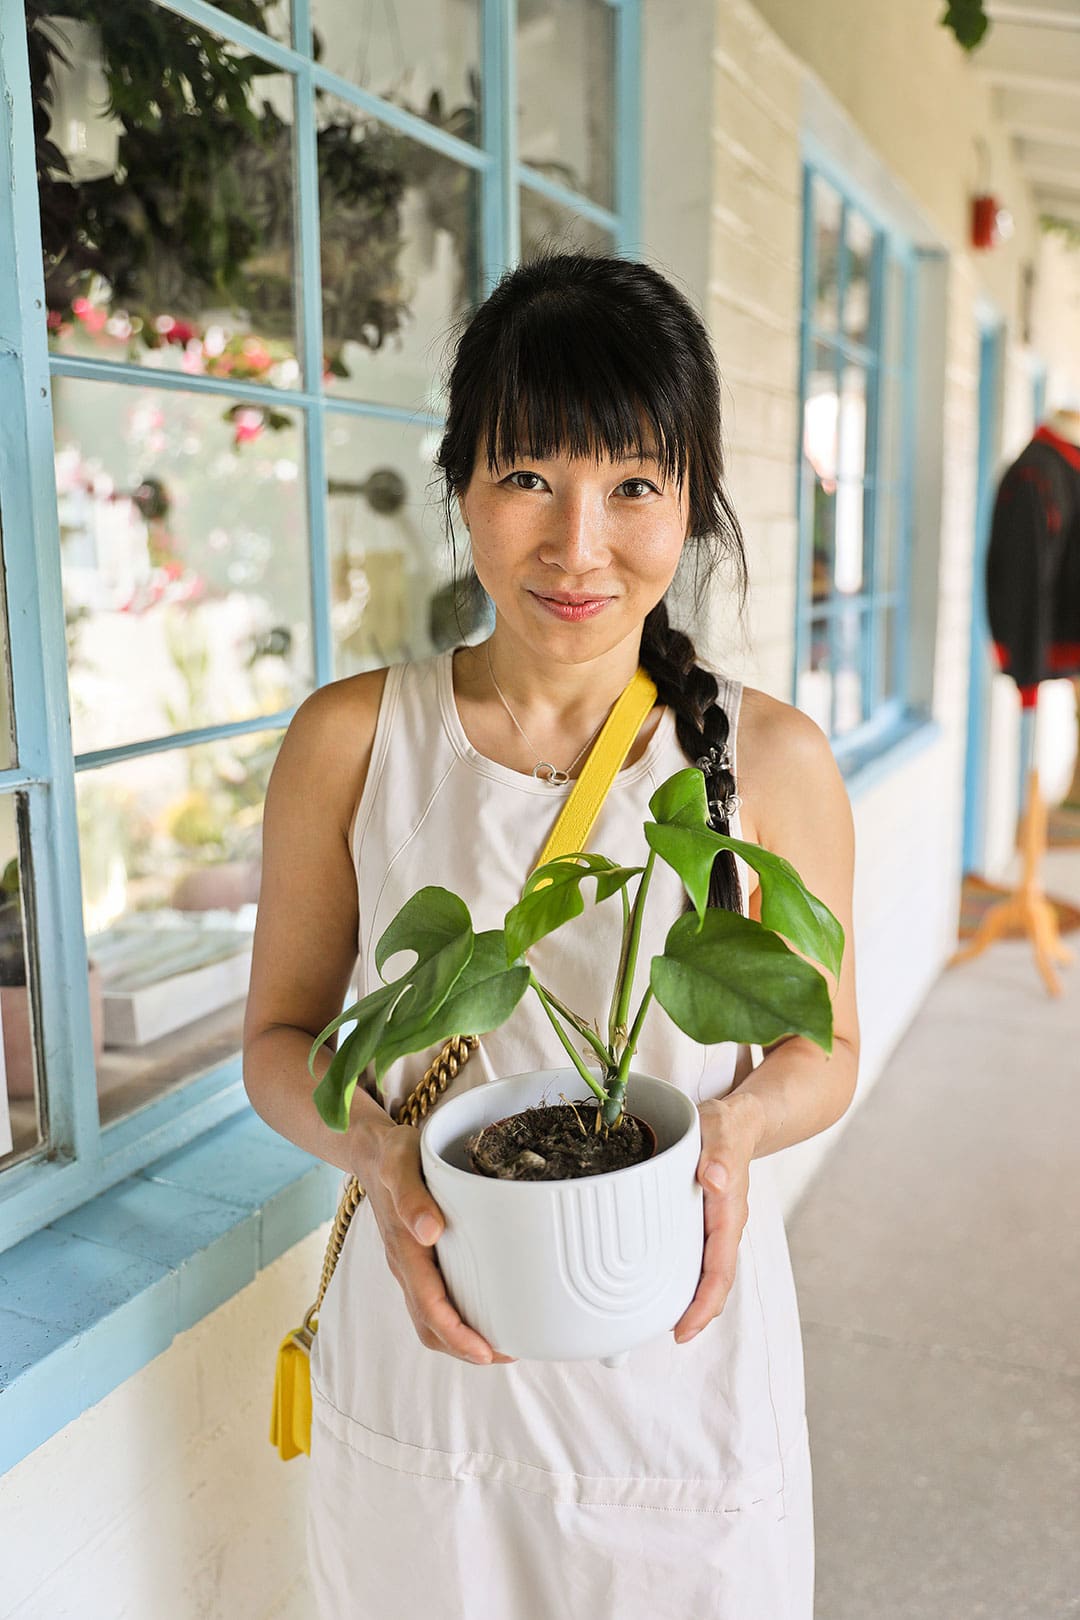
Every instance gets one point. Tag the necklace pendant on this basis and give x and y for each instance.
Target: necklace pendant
(546, 772)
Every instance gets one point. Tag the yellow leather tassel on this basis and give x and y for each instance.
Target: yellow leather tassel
(290, 1417)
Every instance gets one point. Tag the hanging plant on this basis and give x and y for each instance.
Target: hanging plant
(199, 210)
(968, 21)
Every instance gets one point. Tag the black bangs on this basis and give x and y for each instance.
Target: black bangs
(571, 377)
(591, 356)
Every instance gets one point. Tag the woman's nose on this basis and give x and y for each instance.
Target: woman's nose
(576, 540)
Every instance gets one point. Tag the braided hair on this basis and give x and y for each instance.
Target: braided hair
(578, 352)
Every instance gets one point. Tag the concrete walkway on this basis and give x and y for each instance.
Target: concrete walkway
(937, 1259)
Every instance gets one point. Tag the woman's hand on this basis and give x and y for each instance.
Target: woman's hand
(730, 1128)
(410, 1222)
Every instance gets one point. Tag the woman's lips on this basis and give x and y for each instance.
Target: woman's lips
(572, 610)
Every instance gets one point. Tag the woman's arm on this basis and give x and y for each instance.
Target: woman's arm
(802, 812)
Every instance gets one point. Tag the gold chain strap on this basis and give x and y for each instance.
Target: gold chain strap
(421, 1099)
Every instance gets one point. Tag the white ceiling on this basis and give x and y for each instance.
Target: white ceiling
(1031, 57)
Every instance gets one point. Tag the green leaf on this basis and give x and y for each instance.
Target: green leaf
(787, 906)
(730, 978)
(681, 801)
(425, 923)
(552, 895)
(435, 925)
(483, 997)
(334, 1093)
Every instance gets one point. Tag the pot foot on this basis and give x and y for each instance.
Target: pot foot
(616, 1361)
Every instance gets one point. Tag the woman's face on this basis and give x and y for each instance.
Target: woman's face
(574, 553)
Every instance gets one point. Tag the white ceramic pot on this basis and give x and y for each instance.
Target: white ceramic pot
(572, 1270)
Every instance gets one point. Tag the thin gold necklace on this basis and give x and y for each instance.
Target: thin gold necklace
(543, 770)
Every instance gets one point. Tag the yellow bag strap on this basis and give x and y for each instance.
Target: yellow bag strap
(601, 768)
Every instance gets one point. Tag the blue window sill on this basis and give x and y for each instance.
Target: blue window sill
(863, 768)
(91, 1298)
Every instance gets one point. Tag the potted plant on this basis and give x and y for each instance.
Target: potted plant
(550, 1253)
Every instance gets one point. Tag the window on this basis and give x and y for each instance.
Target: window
(854, 478)
(243, 232)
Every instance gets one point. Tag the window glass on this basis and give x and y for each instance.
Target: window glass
(859, 242)
(166, 195)
(392, 596)
(852, 487)
(422, 55)
(22, 1105)
(566, 88)
(170, 848)
(400, 240)
(183, 544)
(548, 227)
(827, 211)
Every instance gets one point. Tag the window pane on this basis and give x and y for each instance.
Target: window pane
(390, 595)
(852, 451)
(400, 241)
(566, 93)
(184, 555)
(821, 403)
(546, 226)
(849, 660)
(167, 224)
(823, 534)
(827, 209)
(815, 680)
(885, 670)
(850, 509)
(22, 1101)
(859, 237)
(170, 847)
(423, 55)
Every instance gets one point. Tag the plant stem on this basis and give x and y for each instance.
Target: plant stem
(626, 982)
(590, 1080)
(613, 1028)
(612, 1109)
(582, 1028)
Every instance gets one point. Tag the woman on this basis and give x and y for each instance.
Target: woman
(582, 449)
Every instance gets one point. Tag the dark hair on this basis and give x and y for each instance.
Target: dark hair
(573, 352)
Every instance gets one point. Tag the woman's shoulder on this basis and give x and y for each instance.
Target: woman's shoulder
(780, 751)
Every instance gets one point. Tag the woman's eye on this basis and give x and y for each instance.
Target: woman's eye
(644, 482)
(523, 473)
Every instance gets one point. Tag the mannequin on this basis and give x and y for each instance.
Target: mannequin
(1065, 423)
(1033, 605)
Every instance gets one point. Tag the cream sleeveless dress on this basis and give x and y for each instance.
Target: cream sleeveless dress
(675, 1485)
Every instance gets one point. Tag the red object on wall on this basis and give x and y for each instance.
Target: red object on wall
(984, 213)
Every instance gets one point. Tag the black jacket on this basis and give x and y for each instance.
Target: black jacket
(1033, 565)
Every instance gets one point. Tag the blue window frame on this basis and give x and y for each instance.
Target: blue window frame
(78, 1156)
(854, 459)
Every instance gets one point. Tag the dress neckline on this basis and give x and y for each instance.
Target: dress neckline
(499, 772)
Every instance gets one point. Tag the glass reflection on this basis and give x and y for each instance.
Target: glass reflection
(170, 848)
(848, 636)
(392, 596)
(815, 680)
(566, 93)
(859, 237)
(184, 560)
(22, 1100)
(827, 212)
(165, 186)
(547, 226)
(400, 233)
(422, 55)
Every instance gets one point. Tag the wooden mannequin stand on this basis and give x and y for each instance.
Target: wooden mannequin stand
(1028, 909)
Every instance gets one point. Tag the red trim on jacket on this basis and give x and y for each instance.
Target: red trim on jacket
(1064, 447)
